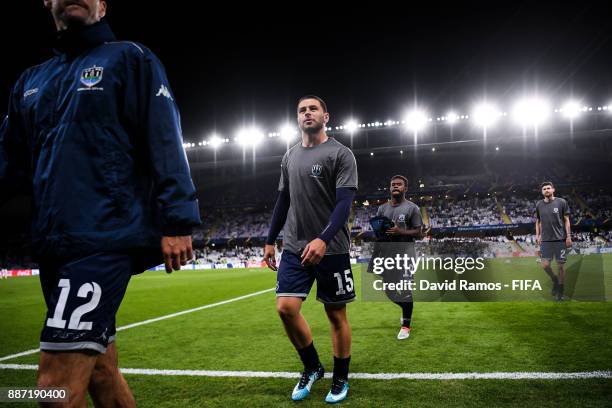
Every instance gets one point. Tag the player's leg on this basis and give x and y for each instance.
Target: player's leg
(401, 298)
(66, 369)
(293, 285)
(546, 250)
(561, 257)
(335, 288)
(406, 320)
(296, 326)
(340, 333)
(107, 386)
(81, 315)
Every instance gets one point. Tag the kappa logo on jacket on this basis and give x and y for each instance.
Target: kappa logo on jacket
(163, 91)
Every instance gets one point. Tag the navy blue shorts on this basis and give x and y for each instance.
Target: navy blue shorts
(550, 250)
(335, 284)
(83, 296)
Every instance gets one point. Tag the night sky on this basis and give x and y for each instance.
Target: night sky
(235, 64)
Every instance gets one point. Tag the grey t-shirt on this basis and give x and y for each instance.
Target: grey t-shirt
(406, 216)
(551, 214)
(312, 174)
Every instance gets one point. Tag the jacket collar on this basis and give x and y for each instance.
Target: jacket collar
(75, 40)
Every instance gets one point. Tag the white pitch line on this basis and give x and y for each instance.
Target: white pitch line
(195, 309)
(23, 353)
(516, 375)
(157, 319)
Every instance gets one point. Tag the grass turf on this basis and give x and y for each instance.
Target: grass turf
(247, 335)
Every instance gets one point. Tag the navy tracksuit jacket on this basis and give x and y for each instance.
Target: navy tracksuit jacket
(94, 135)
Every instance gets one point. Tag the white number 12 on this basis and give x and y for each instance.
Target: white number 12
(75, 322)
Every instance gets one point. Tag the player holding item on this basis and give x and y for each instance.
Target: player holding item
(553, 231)
(94, 135)
(399, 239)
(316, 189)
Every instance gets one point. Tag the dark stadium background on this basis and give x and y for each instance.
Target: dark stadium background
(232, 65)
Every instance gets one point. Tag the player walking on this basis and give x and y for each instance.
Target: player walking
(317, 185)
(400, 238)
(553, 234)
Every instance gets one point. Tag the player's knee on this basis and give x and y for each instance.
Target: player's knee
(287, 311)
(336, 317)
(47, 379)
(104, 373)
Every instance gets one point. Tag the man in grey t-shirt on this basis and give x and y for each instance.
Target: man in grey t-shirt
(316, 189)
(408, 225)
(553, 234)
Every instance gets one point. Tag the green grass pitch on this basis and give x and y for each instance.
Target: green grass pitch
(247, 335)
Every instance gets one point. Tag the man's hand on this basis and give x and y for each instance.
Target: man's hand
(314, 252)
(394, 230)
(538, 239)
(269, 257)
(568, 242)
(177, 251)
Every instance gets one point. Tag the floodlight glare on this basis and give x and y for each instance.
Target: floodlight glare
(451, 117)
(485, 115)
(288, 132)
(531, 111)
(571, 109)
(215, 141)
(351, 126)
(415, 120)
(249, 137)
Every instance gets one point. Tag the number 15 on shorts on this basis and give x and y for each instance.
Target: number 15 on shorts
(345, 283)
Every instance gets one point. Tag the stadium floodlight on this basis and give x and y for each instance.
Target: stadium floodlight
(249, 137)
(570, 110)
(531, 111)
(288, 132)
(415, 120)
(351, 126)
(485, 115)
(215, 142)
(452, 117)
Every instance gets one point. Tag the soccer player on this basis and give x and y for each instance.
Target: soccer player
(317, 185)
(408, 225)
(553, 231)
(94, 133)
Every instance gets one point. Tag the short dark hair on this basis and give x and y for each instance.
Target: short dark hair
(399, 176)
(546, 183)
(321, 101)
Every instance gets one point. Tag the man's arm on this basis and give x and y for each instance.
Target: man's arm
(568, 231)
(568, 226)
(538, 227)
(158, 121)
(279, 216)
(14, 157)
